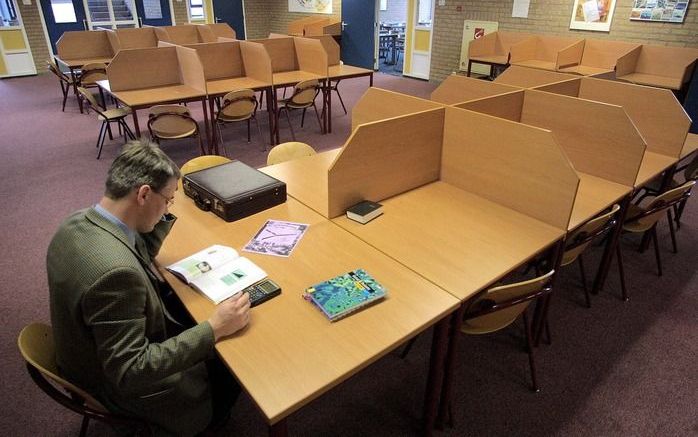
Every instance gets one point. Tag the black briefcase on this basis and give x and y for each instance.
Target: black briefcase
(233, 190)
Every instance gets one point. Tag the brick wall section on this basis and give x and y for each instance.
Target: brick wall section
(180, 11)
(257, 18)
(279, 16)
(35, 34)
(546, 17)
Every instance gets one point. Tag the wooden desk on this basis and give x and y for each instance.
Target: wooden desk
(594, 195)
(672, 83)
(501, 60)
(585, 70)
(291, 354)
(145, 98)
(690, 146)
(538, 64)
(337, 73)
(76, 64)
(653, 164)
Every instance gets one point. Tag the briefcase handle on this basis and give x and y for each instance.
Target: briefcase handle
(203, 204)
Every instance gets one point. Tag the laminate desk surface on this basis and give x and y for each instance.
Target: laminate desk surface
(673, 83)
(306, 178)
(224, 86)
(653, 164)
(690, 146)
(293, 77)
(79, 62)
(290, 353)
(535, 63)
(153, 96)
(594, 195)
(343, 71)
(459, 241)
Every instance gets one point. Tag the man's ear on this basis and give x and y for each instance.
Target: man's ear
(142, 194)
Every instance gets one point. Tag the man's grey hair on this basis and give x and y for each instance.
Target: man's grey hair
(140, 163)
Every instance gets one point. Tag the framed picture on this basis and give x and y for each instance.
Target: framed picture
(668, 11)
(310, 6)
(593, 14)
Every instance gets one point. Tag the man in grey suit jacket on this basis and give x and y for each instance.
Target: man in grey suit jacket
(114, 335)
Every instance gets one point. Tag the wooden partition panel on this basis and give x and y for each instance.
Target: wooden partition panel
(205, 33)
(484, 46)
(311, 56)
(329, 26)
(506, 39)
(331, 48)
(550, 46)
(143, 68)
(375, 163)
(222, 29)
(605, 53)
(190, 69)
(256, 62)
(297, 27)
(220, 59)
(524, 49)
(570, 56)
(666, 61)
(113, 41)
(183, 34)
(530, 77)
(458, 89)
(161, 34)
(518, 166)
(84, 44)
(566, 87)
(626, 63)
(137, 38)
(282, 52)
(657, 114)
(378, 104)
(599, 138)
(507, 106)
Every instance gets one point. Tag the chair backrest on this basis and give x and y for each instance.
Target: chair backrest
(579, 240)
(91, 73)
(304, 93)
(202, 162)
(53, 68)
(499, 306)
(171, 123)
(654, 210)
(238, 105)
(85, 94)
(287, 151)
(35, 343)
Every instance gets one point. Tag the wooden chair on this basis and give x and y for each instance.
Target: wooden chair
(200, 163)
(644, 220)
(500, 306)
(238, 106)
(303, 97)
(288, 151)
(579, 240)
(90, 74)
(172, 122)
(116, 115)
(35, 343)
(65, 81)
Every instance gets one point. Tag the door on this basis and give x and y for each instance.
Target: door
(111, 14)
(231, 12)
(358, 33)
(62, 16)
(418, 38)
(153, 13)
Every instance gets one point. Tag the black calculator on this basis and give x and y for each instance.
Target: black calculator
(262, 291)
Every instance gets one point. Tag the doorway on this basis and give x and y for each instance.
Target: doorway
(231, 12)
(392, 23)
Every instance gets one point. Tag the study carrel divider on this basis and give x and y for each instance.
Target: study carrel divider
(665, 67)
(525, 77)
(599, 138)
(595, 57)
(184, 34)
(297, 27)
(656, 113)
(540, 51)
(156, 67)
(221, 30)
(458, 89)
(378, 104)
(494, 47)
(84, 44)
(135, 38)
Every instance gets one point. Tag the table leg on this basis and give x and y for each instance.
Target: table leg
(206, 125)
(470, 64)
(75, 87)
(452, 330)
(370, 79)
(611, 243)
(279, 429)
(270, 112)
(328, 128)
(136, 127)
(540, 313)
(213, 147)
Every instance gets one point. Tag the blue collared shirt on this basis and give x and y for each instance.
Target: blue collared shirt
(130, 234)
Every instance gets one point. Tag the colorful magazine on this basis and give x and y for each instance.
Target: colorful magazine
(344, 294)
(276, 238)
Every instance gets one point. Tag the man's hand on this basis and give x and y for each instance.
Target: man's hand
(230, 316)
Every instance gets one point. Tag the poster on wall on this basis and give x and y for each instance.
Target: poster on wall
(152, 9)
(310, 6)
(668, 11)
(592, 15)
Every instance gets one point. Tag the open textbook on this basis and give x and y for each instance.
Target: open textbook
(218, 272)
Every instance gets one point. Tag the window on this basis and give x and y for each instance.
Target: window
(196, 9)
(63, 11)
(424, 13)
(8, 15)
(384, 5)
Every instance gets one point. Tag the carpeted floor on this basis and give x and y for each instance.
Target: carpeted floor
(616, 369)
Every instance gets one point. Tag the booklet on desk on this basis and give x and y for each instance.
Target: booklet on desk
(365, 211)
(218, 272)
(344, 294)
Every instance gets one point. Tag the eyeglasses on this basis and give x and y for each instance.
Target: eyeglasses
(170, 200)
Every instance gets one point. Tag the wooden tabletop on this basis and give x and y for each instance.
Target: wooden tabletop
(584, 70)
(290, 353)
(653, 164)
(153, 96)
(673, 83)
(293, 77)
(594, 195)
(224, 86)
(690, 146)
(78, 63)
(457, 240)
(341, 71)
(535, 63)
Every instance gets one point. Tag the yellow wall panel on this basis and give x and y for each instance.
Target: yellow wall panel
(12, 39)
(421, 40)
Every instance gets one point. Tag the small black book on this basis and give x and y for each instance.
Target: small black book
(365, 211)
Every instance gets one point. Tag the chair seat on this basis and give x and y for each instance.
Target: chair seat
(169, 135)
(496, 321)
(635, 226)
(229, 119)
(115, 113)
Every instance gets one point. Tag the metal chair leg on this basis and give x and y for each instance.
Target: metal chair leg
(248, 130)
(531, 359)
(587, 298)
(656, 250)
(317, 115)
(672, 231)
(336, 88)
(100, 140)
(624, 292)
(259, 130)
(288, 118)
(408, 347)
(83, 426)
